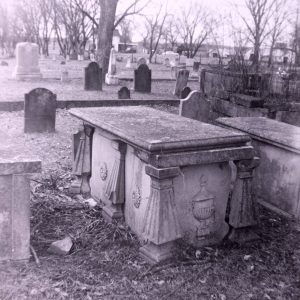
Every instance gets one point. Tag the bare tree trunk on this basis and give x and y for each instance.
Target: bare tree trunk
(105, 32)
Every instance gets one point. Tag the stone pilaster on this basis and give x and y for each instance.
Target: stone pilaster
(242, 211)
(82, 162)
(115, 188)
(161, 226)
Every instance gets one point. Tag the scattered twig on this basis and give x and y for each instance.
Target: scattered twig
(190, 279)
(37, 261)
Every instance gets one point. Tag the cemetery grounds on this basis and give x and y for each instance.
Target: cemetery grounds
(104, 262)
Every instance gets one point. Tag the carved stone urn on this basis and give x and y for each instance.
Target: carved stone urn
(203, 209)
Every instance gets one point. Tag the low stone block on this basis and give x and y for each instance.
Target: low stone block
(14, 208)
(246, 100)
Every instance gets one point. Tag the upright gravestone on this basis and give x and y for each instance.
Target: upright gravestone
(93, 77)
(128, 63)
(39, 111)
(142, 79)
(181, 81)
(141, 61)
(196, 107)
(196, 66)
(111, 78)
(27, 61)
(123, 93)
(185, 92)
(167, 62)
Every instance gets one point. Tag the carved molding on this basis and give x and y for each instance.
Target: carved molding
(241, 204)
(161, 223)
(136, 197)
(115, 188)
(103, 171)
(82, 161)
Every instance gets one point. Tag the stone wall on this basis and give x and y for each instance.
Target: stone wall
(224, 90)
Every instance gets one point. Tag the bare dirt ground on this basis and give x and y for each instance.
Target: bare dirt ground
(12, 90)
(104, 261)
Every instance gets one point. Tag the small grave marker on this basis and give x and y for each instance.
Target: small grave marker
(142, 79)
(93, 77)
(39, 111)
(196, 107)
(123, 93)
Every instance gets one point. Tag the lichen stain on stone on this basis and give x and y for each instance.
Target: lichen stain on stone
(4, 217)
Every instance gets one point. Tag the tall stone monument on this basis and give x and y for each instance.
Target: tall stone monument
(27, 61)
(111, 78)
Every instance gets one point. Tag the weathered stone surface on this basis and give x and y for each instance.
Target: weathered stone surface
(246, 100)
(242, 210)
(142, 79)
(82, 162)
(61, 247)
(162, 204)
(181, 81)
(196, 106)
(39, 111)
(276, 180)
(27, 61)
(269, 131)
(155, 130)
(185, 92)
(14, 203)
(124, 93)
(93, 77)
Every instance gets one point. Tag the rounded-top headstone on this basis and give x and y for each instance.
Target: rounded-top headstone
(27, 61)
(39, 111)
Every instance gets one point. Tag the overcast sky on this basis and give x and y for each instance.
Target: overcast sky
(218, 7)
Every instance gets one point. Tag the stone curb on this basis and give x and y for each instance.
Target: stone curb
(19, 105)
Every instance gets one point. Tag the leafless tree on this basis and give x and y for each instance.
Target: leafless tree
(277, 24)
(261, 12)
(193, 27)
(126, 31)
(154, 28)
(108, 20)
(171, 32)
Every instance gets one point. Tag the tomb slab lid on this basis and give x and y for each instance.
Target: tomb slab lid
(270, 131)
(13, 160)
(153, 130)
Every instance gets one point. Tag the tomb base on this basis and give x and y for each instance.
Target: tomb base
(111, 79)
(112, 212)
(156, 253)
